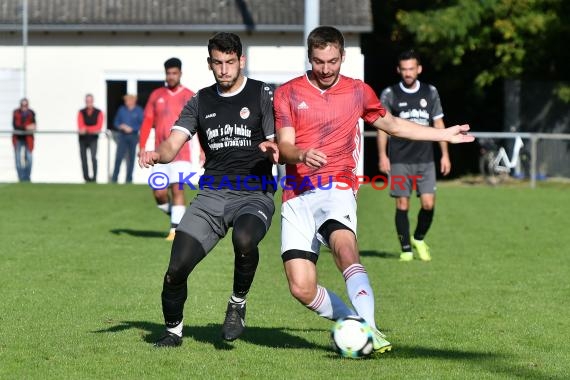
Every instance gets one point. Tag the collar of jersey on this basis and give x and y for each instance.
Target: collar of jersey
(226, 95)
(320, 90)
(410, 91)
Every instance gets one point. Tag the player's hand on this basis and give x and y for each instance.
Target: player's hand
(384, 165)
(313, 158)
(271, 150)
(458, 134)
(445, 165)
(147, 159)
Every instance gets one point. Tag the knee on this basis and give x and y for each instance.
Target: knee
(428, 205)
(243, 243)
(186, 253)
(303, 294)
(176, 275)
(402, 203)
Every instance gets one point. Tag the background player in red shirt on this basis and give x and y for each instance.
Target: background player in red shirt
(161, 111)
(316, 117)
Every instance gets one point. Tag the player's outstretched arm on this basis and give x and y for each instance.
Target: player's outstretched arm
(167, 150)
(405, 129)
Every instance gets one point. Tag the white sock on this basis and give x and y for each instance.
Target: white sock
(176, 329)
(164, 207)
(329, 305)
(176, 214)
(237, 300)
(360, 292)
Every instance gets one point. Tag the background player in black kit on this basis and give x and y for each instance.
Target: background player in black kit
(235, 125)
(418, 102)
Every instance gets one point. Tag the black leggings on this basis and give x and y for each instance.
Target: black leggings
(187, 252)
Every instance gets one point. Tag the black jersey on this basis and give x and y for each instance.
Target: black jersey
(230, 128)
(421, 106)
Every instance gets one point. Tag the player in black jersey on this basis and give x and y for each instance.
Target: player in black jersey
(234, 122)
(411, 163)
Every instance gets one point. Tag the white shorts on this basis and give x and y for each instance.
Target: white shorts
(302, 216)
(172, 170)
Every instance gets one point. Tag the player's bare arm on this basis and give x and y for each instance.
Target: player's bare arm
(291, 154)
(383, 159)
(445, 163)
(167, 150)
(405, 129)
(271, 149)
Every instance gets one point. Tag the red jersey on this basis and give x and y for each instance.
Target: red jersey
(161, 111)
(328, 121)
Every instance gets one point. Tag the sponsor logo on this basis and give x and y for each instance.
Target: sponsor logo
(244, 113)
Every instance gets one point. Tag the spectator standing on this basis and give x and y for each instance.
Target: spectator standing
(89, 124)
(127, 123)
(24, 123)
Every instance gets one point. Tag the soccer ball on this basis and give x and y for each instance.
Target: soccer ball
(352, 337)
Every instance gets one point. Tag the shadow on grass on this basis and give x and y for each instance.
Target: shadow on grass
(275, 337)
(495, 363)
(138, 233)
(380, 254)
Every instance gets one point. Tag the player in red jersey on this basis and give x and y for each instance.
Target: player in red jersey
(161, 111)
(316, 117)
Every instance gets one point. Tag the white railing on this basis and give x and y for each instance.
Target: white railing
(56, 158)
(534, 138)
(56, 155)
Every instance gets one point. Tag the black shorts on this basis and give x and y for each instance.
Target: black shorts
(213, 212)
(405, 178)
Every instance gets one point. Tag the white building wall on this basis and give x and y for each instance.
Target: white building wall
(60, 76)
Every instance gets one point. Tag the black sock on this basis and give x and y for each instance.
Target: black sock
(424, 222)
(403, 230)
(173, 298)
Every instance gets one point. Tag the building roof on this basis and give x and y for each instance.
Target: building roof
(182, 15)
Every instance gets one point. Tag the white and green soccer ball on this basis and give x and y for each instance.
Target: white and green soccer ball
(352, 337)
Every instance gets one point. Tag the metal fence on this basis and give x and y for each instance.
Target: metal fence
(56, 158)
(56, 155)
(549, 152)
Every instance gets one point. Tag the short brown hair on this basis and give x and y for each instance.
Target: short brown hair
(322, 36)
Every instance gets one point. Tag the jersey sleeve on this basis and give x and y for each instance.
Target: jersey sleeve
(387, 98)
(188, 119)
(267, 117)
(80, 122)
(372, 108)
(281, 109)
(437, 110)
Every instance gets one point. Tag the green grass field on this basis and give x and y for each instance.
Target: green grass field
(81, 270)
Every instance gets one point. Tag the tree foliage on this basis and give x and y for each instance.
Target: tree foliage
(500, 38)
